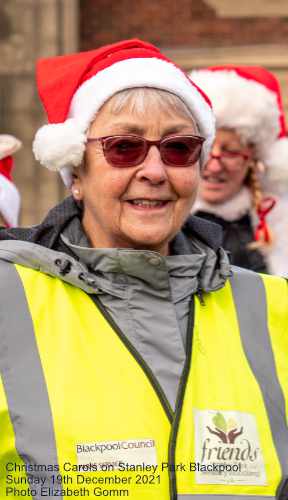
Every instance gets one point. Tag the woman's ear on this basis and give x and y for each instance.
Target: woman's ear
(76, 186)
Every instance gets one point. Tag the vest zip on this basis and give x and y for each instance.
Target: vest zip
(148, 372)
(180, 398)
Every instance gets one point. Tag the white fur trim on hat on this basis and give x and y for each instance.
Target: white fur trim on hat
(276, 161)
(61, 145)
(277, 255)
(66, 176)
(242, 104)
(9, 201)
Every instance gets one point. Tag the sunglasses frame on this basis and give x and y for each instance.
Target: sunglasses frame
(147, 145)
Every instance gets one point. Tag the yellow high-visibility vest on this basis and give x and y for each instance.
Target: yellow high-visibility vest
(113, 430)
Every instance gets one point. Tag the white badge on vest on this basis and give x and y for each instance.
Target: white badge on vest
(111, 455)
(228, 449)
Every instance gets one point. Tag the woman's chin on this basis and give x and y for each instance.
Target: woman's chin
(215, 196)
(154, 240)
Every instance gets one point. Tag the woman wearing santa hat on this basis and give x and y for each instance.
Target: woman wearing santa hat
(9, 194)
(244, 184)
(134, 360)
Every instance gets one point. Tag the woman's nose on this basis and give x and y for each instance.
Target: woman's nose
(153, 169)
(214, 163)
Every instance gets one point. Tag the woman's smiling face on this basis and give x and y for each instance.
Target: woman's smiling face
(226, 170)
(143, 206)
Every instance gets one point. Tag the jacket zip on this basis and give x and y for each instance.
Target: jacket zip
(180, 398)
(174, 418)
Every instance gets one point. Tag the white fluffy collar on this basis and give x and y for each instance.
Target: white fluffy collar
(230, 210)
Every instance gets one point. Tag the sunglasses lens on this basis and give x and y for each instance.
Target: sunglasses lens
(181, 151)
(124, 151)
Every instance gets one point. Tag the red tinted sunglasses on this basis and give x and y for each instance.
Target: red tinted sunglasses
(131, 150)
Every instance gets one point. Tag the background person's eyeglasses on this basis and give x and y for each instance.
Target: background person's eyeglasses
(230, 159)
(131, 150)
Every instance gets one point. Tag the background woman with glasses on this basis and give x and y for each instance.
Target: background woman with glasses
(244, 184)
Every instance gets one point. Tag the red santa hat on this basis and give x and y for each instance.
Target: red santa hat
(248, 99)
(9, 195)
(74, 87)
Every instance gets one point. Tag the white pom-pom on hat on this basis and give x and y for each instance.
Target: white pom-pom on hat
(60, 144)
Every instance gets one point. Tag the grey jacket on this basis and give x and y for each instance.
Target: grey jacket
(149, 297)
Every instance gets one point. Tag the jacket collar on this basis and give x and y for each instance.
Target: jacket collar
(45, 247)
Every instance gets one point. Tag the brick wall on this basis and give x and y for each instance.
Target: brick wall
(162, 22)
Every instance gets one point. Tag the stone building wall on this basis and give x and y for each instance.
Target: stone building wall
(30, 29)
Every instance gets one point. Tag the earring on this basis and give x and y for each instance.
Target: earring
(76, 191)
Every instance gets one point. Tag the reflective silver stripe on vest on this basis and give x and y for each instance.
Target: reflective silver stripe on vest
(23, 379)
(250, 299)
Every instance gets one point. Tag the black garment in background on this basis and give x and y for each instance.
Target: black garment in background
(236, 237)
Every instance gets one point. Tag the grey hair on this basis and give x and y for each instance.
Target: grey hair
(137, 100)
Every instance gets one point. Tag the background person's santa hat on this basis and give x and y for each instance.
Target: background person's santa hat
(74, 87)
(9, 195)
(248, 99)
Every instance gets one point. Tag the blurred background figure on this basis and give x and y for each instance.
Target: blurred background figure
(245, 182)
(9, 194)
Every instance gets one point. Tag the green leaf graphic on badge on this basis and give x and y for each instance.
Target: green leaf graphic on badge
(228, 431)
(220, 422)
